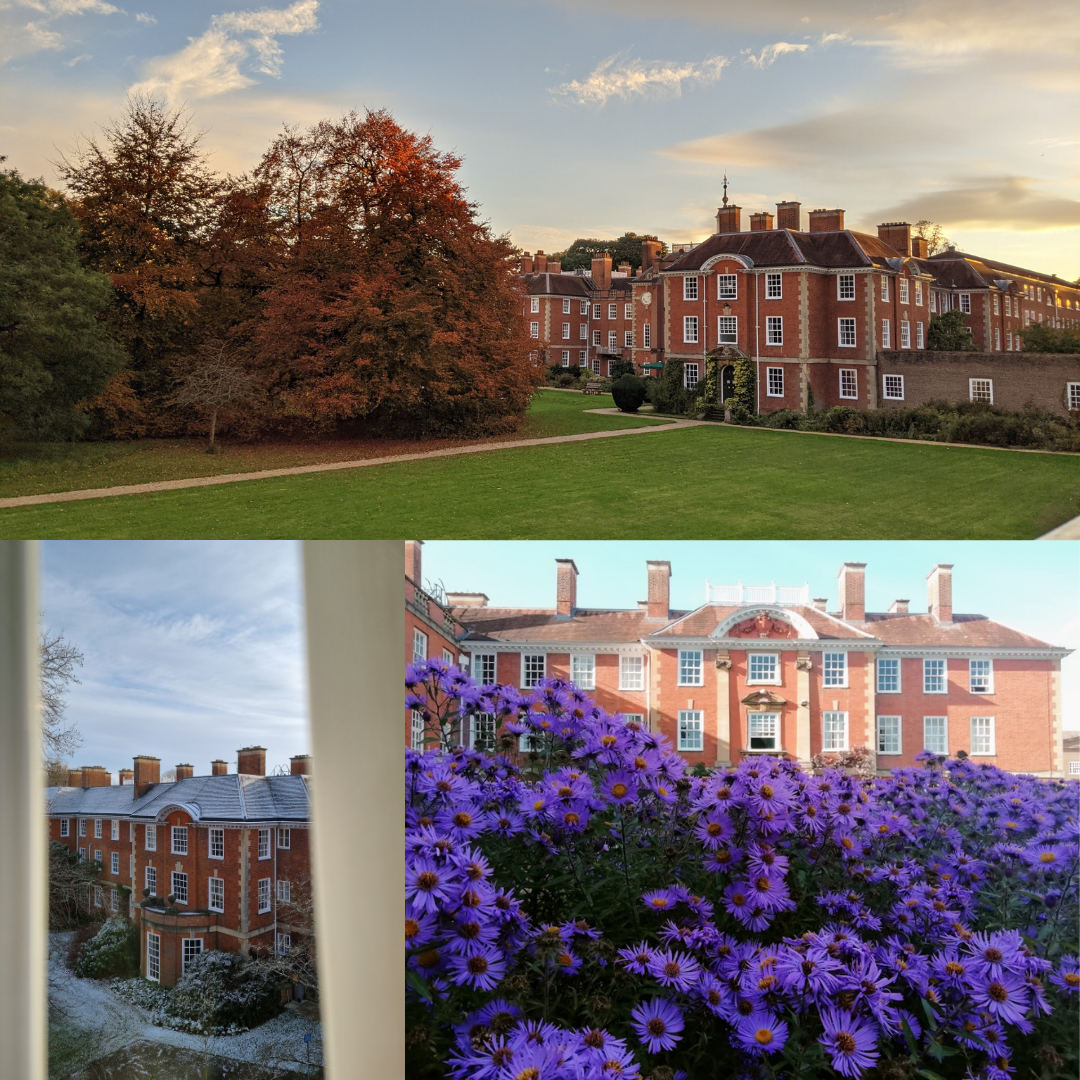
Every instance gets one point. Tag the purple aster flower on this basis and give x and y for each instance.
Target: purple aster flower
(673, 968)
(712, 993)
(713, 829)
(617, 1064)
(1007, 998)
(737, 898)
(495, 1018)
(851, 1043)
(472, 934)
(483, 970)
(419, 929)
(620, 787)
(566, 962)
(997, 952)
(760, 1033)
(658, 1024)
(637, 958)
(1067, 976)
(426, 884)
(660, 899)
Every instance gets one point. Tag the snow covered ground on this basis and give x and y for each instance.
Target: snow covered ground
(87, 1021)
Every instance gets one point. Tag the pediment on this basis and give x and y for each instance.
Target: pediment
(763, 625)
(763, 699)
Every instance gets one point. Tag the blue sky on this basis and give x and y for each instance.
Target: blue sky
(596, 116)
(195, 648)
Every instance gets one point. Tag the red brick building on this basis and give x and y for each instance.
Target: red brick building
(769, 670)
(228, 848)
(820, 310)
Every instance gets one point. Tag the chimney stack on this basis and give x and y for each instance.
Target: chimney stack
(185, 772)
(300, 765)
(789, 216)
(147, 772)
(75, 778)
(96, 776)
(601, 271)
(939, 592)
(126, 777)
(897, 234)
(466, 599)
(918, 247)
(899, 607)
(526, 263)
(821, 603)
(853, 591)
(219, 767)
(826, 220)
(554, 267)
(625, 268)
(650, 252)
(413, 561)
(659, 588)
(729, 219)
(761, 222)
(251, 761)
(540, 263)
(565, 587)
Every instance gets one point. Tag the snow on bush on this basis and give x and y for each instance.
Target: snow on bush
(113, 950)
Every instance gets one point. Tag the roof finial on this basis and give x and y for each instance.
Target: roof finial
(725, 189)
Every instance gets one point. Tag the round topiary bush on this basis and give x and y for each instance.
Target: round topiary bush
(112, 951)
(628, 392)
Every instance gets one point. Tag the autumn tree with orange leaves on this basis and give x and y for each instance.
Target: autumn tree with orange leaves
(391, 303)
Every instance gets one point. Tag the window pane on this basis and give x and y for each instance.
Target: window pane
(836, 669)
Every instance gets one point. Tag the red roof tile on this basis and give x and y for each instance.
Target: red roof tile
(976, 630)
(542, 624)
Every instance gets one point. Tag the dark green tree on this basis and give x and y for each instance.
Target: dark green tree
(54, 352)
(1041, 338)
(627, 248)
(949, 333)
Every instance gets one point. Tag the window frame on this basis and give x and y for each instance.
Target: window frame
(727, 329)
(691, 722)
(639, 674)
(770, 374)
(918, 293)
(774, 330)
(477, 740)
(220, 890)
(178, 833)
(885, 395)
(153, 956)
(150, 838)
(97, 828)
(965, 303)
(905, 334)
(65, 827)
(928, 660)
(990, 390)
(534, 330)
(844, 323)
(691, 661)
(261, 847)
(612, 311)
(566, 306)
(1072, 395)
(750, 736)
(534, 305)
(774, 286)
(646, 336)
(834, 715)
(759, 680)
(419, 645)
(588, 671)
(842, 669)
(690, 324)
(903, 290)
(988, 688)
(854, 374)
(114, 863)
(690, 287)
(878, 674)
(480, 659)
(841, 281)
(284, 892)
(687, 365)
(179, 882)
(920, 335)
(82, 827)
(991, 751)
(416, 732)
(284, 944)
(886, 333)
(150, 875)
(944, 735)
(899, 734)
(114, 829)
(885, 287)
(188, 952)
(730, 283)
(565, 331)
(286, 835)
(525, 657)
(263, 896)
(216, 834)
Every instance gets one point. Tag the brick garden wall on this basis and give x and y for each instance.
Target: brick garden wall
(1018, 378)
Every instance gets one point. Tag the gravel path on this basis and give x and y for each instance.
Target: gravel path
(299, 470)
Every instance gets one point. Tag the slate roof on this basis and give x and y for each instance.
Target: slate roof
(217, 798)
(558, 285)
(993, 268)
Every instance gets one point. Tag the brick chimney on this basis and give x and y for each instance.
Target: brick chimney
(466, 599)
(625, 268)
(761, 222)
(650, 252)
(554, 267)
(601, 271)
(853, 591)
(789, 215)
(251, 761)
(659, 588)
(300, 765)
(939, 592)
(185, 772)
(526, 263)
(820, 602)
(219, 767)
(413, 561)
(96, 776)
(918, 247)
(540, 263)
(565, 587)
(126, 777)
(74, 778)
(899, 607)
(147, 772)
(729, 219)
(897, 234)
(826, 220)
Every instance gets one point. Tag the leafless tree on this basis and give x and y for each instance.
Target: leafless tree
(217, 383)
(168, 776)
(58, 658)
(933, 234)
(296, 917)
(70, 879)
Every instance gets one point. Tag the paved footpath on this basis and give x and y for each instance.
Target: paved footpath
(299, 470)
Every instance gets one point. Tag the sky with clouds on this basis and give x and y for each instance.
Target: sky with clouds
(591, 117)
(194, 649)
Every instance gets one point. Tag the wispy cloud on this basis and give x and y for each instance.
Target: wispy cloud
(237, 44)
(143, 17)
(21, 38)
(78, 59)
(620, 77)
(767, 56)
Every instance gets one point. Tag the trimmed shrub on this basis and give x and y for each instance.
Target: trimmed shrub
(668, 394)
(629, 393)
(112, 951)
(221, 992)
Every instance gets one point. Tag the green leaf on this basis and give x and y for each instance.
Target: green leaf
(928, 1074)
(936, 1050)
(913, 1050)
(931, 1016)
(418, 984)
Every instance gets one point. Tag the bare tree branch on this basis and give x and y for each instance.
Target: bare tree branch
(58, 658)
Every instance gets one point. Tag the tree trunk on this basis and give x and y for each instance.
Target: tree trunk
(213, 428)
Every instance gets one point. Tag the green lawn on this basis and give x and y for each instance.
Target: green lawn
(697, 483)
(38, 468)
